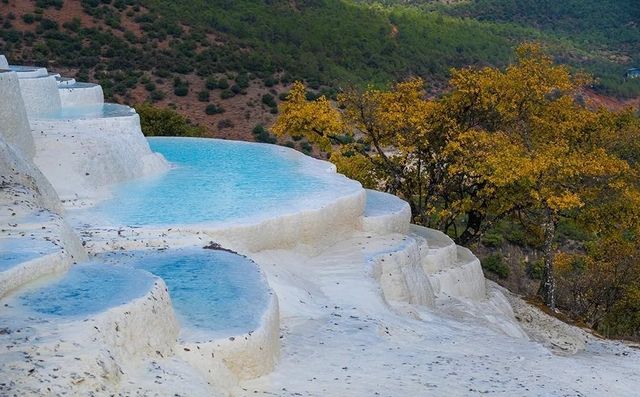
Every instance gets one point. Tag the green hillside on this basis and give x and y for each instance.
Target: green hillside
(225, 63)
(335, 41)
(601, 36)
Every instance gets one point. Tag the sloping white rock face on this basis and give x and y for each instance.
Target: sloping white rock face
(80, 94)
(31, 217)
(17, 169)
(14, 124)
(3, 62)
(30, 210)
(40, 94)
(84, 158)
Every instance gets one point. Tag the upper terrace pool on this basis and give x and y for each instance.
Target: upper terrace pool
(105, 110)
(216, 181)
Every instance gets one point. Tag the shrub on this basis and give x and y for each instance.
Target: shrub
(535, 269)
(203, 96)
(165, 122)
(314, 84)
(262, 135)
(157, 95)
(226, 123)
(48, 24)
(150, 86)
(50, 3)
(492, 239)
(130, 37)
(312, 96)
(270, 82)
(164, 73)
(73, 25)
(211, 83)
(28, 18)
(213, 109)
(269, 100)
(306, 148)
(181, 90)
(226, 94)
(236, 89)
(223, 84)
(496, 264)
(243, 80)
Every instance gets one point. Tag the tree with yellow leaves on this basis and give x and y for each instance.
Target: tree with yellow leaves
(501, 143)
(396, 140)
(527, 136)
(317, 120)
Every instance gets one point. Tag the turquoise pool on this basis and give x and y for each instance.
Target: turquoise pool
(214, 293)
(87, 289)
(105, 110)
(215, 181)
(16, 250)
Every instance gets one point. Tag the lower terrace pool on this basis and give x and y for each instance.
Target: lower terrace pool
(216, 181)
(214, 293)
(87, 289)
(16, 250)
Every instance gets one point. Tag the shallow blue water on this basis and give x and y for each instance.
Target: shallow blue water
(22, 68)
(17, 250)
(79, 84)
(213, 181)
(87, 289)
(214, 293)
(105, 110)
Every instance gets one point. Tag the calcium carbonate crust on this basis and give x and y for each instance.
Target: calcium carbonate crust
(224, 362)
(98, 153)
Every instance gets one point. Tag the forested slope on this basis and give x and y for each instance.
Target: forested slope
(225, 64)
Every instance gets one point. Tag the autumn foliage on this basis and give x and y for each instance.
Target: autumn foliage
(514, 144)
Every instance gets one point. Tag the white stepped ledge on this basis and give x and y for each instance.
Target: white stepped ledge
(401, 276)
(385, 213)
(464, 279)
(226, 361)
(440, 251)
(24, 272)
(77, 94)
(454, 272)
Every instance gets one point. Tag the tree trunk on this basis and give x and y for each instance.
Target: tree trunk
(472, 230)
(547, 288)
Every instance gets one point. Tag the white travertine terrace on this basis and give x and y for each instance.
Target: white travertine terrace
(98, 151)
(356, 291)
(238, 357)
(4, 64)
(35, 212)
(65, 81)
(40, 94)
(80, 94)
(14, 127)
(385, 214)
(29, 71)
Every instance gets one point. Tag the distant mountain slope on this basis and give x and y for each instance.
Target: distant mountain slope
(608, 29)
(203, 57)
